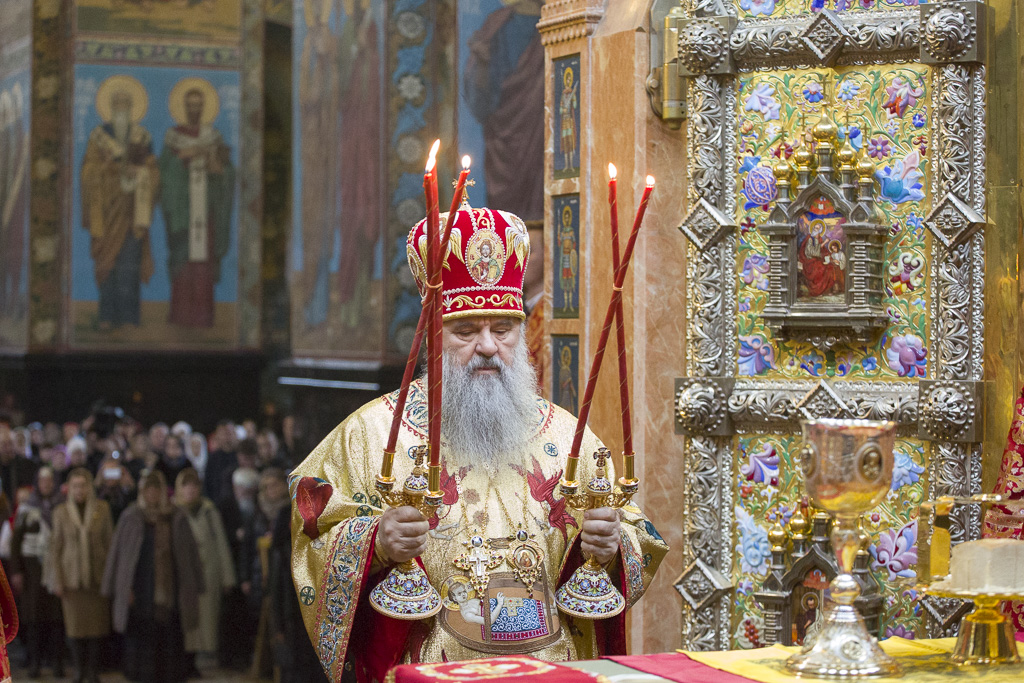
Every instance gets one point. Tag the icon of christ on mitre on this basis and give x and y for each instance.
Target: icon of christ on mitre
(503, 540)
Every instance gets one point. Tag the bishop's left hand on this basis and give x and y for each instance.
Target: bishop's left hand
(601, 534)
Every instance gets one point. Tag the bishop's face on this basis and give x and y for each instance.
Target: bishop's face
(194, 101)
(485, 336)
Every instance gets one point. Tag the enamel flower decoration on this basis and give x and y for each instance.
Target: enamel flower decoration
(756, 355)
(905, 471)
(848, 90)
(762, 100)
(901, 182)
(763, 466)
(813, 92)
(896, 552)
(753, 548)
(901, 95)
(907, 356)
(756, 7)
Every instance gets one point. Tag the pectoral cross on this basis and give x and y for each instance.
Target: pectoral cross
(478, 560)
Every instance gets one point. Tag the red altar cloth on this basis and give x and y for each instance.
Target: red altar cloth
(676, 666)
(491, 669)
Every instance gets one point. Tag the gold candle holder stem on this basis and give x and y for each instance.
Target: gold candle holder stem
(387, 466)
(570, 470)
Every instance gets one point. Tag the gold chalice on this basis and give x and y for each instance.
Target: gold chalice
(847, 467)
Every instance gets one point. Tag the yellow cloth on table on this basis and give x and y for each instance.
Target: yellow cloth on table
(923, 661)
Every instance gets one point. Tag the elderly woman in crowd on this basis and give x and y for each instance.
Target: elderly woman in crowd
(116, 486)
(39, 610)
(154, 577)
(198, 453)
(215, 557)
(82, 531)
(175, 458)
(78, 452)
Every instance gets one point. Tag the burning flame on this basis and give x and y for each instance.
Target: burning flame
(611, 171)
(650, 181)
(432, 159)
(465, 162)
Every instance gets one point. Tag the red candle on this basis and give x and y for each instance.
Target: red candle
(434, 319)
(425, 314)
(620, 325)
(595, 368)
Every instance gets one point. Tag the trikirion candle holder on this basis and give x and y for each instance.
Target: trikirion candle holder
(406, 592)
(590, 593)
(985, 636)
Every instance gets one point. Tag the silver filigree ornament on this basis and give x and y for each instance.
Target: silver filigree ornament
(952, 220)
(700, 406)
(701, 585)
(825, 36)
(702, 45)
(823, 401)
(705, 224)
(949, 31)
(947, 411)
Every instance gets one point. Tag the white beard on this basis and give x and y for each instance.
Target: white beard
(120, 123)
(487, 419)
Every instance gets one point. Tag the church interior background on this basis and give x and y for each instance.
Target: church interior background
(739, 317)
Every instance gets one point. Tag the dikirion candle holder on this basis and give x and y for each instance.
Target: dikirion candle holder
(406, 592)
(590, 592)
(847, 467)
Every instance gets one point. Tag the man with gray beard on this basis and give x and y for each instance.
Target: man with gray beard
(503, 539)
(120, 181)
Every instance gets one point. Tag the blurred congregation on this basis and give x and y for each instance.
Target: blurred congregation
(150, 550)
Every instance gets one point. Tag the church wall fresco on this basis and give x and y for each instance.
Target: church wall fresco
(885, 111)
(339, 173)
(566, 79)
(180, 293)
(163, 180)
(15, 180)
(565, 371)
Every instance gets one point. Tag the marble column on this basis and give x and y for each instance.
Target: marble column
(617, 125)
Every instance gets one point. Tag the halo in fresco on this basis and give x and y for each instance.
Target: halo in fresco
(211, 100)
(122, 83)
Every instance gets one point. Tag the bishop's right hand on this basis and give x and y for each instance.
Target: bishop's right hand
(402, 533)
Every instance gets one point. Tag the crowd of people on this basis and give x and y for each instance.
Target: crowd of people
(150, 551)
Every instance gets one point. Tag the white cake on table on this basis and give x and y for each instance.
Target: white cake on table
(989, 565)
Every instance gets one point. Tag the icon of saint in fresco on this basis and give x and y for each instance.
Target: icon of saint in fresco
(568, 261)
(120, 184)
(197, 199)
(567, 106)
(567, 381)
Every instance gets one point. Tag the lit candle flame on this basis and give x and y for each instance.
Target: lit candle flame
(432, 159)
(611, 171)
(465, 162)
(650, 181)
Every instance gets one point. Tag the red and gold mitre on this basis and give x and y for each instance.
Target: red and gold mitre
(484, 264)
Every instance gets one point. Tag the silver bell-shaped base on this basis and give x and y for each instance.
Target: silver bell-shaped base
(843, 649)
(406, 593)
(590, 594)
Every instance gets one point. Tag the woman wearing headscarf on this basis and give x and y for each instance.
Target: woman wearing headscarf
(154, 578)
(175, 458)
(215, 557)
(198, 454)
(39, 609)
(82, 531)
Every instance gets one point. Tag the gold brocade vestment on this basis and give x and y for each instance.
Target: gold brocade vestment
(335, 512)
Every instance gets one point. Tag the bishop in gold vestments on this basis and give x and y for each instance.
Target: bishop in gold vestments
(503, 453)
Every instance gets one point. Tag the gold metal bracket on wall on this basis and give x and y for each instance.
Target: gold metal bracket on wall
(682, 47)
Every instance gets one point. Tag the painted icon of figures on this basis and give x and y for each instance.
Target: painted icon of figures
(567, 394)
(319, 103)
(360, 158)
(14, 186)
(568, 261)
(197, 198)
(120, 183)
(504, 88)
(821, 253)
(567, 113)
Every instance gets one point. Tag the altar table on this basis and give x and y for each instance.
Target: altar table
(923, 661)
